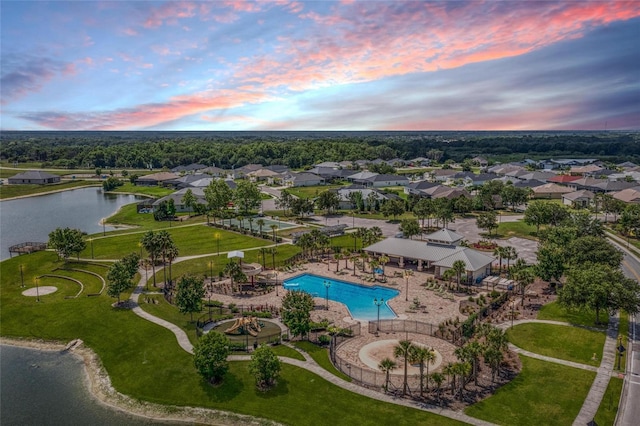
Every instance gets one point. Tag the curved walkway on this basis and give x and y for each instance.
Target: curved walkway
(309, 364)
(603, 373)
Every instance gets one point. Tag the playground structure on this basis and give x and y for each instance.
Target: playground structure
(245, 325)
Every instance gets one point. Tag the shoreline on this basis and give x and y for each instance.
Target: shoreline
(49, 192)
(99, 387)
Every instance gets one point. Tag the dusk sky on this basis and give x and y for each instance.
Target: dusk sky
(321, 65)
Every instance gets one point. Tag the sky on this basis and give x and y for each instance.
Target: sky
(320, 65)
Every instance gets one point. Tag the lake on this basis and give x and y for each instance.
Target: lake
(33, 218)
(48, 388)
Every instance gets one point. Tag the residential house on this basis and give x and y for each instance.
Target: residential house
(264, 175)
(578, 199)
(550, 190)
(303, 179)
(191, 168)
(179, 195)
(563, 179)
(368, 195)
(214, 171)
(328, 164)
(157, 179)
(361, 177)
(541, 176)
(416, 188)
(37, 177)
(241, 172)
(479, 161)
(629, 195)
(381, 181)
(442, 175)
(588, 170)
(419, 162)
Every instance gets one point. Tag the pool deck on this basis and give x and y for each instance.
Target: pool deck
(437, 309)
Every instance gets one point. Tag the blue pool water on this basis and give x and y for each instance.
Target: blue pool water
(357, 298)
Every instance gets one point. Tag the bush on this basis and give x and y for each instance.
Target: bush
(324, 339)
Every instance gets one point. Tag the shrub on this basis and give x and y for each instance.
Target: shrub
(324, 339)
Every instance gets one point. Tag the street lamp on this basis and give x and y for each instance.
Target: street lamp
(139, 245)
(211, 271)
(327, 284)
(217, 238)
(37, 290)
(378, 303)
(276, 283)
(513, 314)
(104, 228)
(210, 287)
(21, 277)
(621, 350)
(406, 285)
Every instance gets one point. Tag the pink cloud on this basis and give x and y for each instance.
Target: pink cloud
(29, 75)
(169, 13)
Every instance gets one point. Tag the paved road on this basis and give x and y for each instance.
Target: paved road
(629, 411)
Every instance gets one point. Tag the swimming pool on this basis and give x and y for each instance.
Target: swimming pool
(357, 298)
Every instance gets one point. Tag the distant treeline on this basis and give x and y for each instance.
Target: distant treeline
(122, 150)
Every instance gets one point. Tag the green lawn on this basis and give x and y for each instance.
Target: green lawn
(153, 191)
(310, 191)
(554, 312)
(559, 341)
(129, 216)
(321, 356)
(516, 229)
(543, 393)
(10, 191)
(346, 242)
(191, 240)
(608, 409)
(286, 351)
(144, 361)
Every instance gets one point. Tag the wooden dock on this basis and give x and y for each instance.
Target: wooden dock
(26, 248)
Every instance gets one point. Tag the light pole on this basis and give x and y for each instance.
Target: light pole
(21, 277)
(91, 242)
(621, 350)
(513, 314)
(327, 284)
(217, 238)
(37, 290)
(406, 286)
(211, 270)
(210, 286)
(276, 283)
(139, 245)
(104, 228)
(378, 303)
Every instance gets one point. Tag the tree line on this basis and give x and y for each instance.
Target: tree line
(143, 150)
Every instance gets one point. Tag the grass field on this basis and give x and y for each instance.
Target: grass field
(321, 356)
(559, 341)
(543, 393)
(516, 229)
(310, 191)
(153, 191)
(554, 312)
(10, 191)
(144, 361)
(608, 409)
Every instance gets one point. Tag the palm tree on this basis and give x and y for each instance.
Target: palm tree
(437, 379)
(384, 259)
(458, 268)
(164, 242)
(403, 350)
(451, 372)
(373, 264)
(471, 353)
(260, 223)
(448, 276)
(510, 254)
(150, 243)
(273, 257)
(250, 219)
(365, 257)
(493, 357)
(499, 252)
(172, 254)
(338, 257)
(422, 356)
(463, 369)
(524, 276)
(386, 365)
(274, 228)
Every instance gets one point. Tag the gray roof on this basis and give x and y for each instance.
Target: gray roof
(179, 195)
(302, 177)
(473, 259)
(34, 175)
(444, 234)
(381, 178)
(442, 255)
(583, 193)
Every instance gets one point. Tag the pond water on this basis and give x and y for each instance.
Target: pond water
(48, 388)
(33, 218)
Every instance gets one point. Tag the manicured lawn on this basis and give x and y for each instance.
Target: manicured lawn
(201, 266)
(516, 229)
(559, 341)
(170, 313)
(543, 393)
(282, 350)
(608, 409)
(154, 191)
(144, 361)
(10, 191)
(128, 215)
(554, 312)
(310, 191)
(191, 240)
(321, 356)
(346, 242)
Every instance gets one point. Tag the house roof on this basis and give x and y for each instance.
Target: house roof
(303, 177)
(329, 164)
(214, 170)
(627, 165)
(189, 168)
(591, 168)
(179, 195)
(473, 259)
(614, 185)
(442, 255)
(551, 188)
(629, 195)
(263, 173)
(563, 179)
(572, 196)
(34, 175)
(159, 177)
(444, 234)
(362, 175)
(382, 178)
